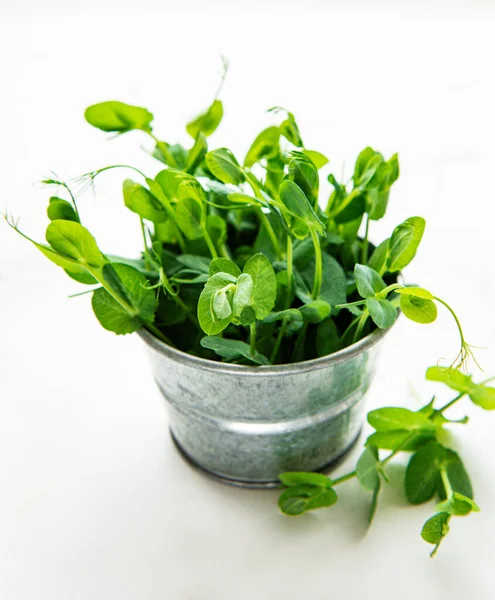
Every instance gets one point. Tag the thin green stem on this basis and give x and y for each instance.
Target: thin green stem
(74, 203)
(264, 219)
(451, 310)
(252, 340)
(383, 462)
(93, 174)
(446, 482)
(318, 264)
(157, 333)
(143, 232)
(362, 322)
(288, 301)
(356, 303)
(209, 243)
(364, 249)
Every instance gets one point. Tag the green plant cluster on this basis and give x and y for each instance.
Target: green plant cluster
(241, 261)
(433, 469)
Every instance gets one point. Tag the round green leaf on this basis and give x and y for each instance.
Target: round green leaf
(74, 241)
(224, 265)
(418, 309)
(422, 473)
(61, 209)
(301, 498)
(264, 285)
(224, 166)
(382, 312)
(207, 320)
(368, 282)
(141, 201)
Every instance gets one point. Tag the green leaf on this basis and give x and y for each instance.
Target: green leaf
(379, 257)
(404, 243)
(223, 265)
(74, 241)
(390, 440)
(334, 284)
(298, 204)
(417, 292)
(61, 209)
(394, 418)
(266, 145)
(318, 159)
(435, 529)
(196, 153)
(366, 166)
(382, 312)
(190, 211)
(173, 155)
(423, 473)
(243, 293)
(264, 285)
(220, 305)
(224, 166)
(374, 501)
(141, 201)
(303, 172)
(294, 478)
(292, 316)
(207, 122)
(457, 475)
(290, 130)
(418, 309)
(367, 468)
(113, 116)
(232, 350)
(459, 505)
(315, 311)
(480, 394)
(207, 320)
(368, 282)
(327, 338)
(298, 499)
(138, 302)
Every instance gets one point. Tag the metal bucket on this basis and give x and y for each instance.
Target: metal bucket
(245, 425)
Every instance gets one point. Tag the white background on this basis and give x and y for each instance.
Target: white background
(94, 501)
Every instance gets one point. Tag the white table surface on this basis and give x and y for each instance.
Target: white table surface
(95, 502)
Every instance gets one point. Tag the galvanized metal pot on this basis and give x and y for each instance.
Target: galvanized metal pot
(245, 425)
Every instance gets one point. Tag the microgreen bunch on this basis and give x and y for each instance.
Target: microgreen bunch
(240, 260)
(433, 469)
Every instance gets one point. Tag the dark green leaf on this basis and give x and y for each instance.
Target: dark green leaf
(293, 478)
(315, 311)
(368, 282)
(382, 312)
(303, 172)
(435, 529)
(422, 473)
(232, 350)
(292, 317)
(367, 468)
(327, 338)
(301, 498)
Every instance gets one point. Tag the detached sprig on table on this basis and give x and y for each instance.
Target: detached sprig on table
(432, 471)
